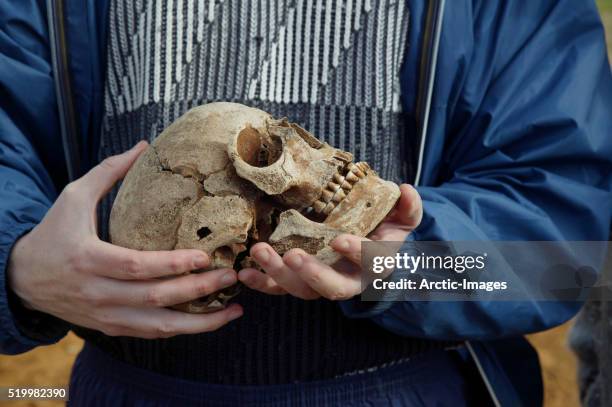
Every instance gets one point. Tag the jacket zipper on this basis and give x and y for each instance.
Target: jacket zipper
(63, 88)
(427, 76)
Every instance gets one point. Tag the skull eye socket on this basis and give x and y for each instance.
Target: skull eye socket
(256, 149)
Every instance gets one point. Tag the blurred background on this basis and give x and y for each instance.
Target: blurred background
(50, 366)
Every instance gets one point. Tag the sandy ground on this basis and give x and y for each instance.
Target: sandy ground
(50, 366)
(558, 367)
(45, 366)
(607, 20)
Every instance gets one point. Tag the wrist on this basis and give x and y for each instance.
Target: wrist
(15, 274)
(30, 325)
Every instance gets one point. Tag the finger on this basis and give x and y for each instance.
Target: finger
(345, 266)
(113, 261)
(165, 293)
(259, 281)
(391, 232)
(274, 266)
(409, 208)
(349, 246)
(100, 179)
(322, 278)
(165, 323)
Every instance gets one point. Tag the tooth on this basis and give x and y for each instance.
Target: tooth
(333, 186)
(363, 166)
(351, 167)
(339, 179)
(358, 172)
(330, 207)
(351, 177)
(326, 195)
(346, 186)
(215, 304)
(339, 196)
(318, 206)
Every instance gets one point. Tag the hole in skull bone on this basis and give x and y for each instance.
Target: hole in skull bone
(223, 255)
(314, 216)
(274, 218)
(242, 258)
(257, 149)
(203, 232)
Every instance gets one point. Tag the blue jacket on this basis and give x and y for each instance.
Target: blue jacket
(519, 147)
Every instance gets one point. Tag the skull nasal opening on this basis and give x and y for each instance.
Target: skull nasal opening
(257, 149)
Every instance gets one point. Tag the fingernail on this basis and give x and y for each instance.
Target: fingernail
(262, 255)
(137, 145)
(295, 261)
(200, 260)
(235, 313)
(344, 244)
(228, 279)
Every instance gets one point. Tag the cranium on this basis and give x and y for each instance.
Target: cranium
(225, 176)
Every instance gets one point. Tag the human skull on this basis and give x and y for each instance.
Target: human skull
(225, 176)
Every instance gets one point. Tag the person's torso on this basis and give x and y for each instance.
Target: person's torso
(331, 66)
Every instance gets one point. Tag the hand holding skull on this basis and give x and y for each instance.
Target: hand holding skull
(228, 179)
(62, 268)
(303, 275)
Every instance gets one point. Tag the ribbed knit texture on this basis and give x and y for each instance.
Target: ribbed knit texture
(333, 67)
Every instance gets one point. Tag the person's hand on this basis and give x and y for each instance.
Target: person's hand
(303, 276)
(63, 269)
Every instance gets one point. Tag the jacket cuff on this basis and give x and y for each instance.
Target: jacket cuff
(22, 329)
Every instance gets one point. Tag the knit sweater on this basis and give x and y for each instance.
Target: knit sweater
(330, 65)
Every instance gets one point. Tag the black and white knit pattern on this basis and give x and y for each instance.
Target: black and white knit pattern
(331, 65)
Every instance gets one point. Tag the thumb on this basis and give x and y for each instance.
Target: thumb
(101, 178)
(409, 208)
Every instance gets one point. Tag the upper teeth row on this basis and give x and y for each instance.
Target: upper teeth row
(337, 189)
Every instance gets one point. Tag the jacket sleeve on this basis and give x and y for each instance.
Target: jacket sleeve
(28, 119)
(519, 150)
